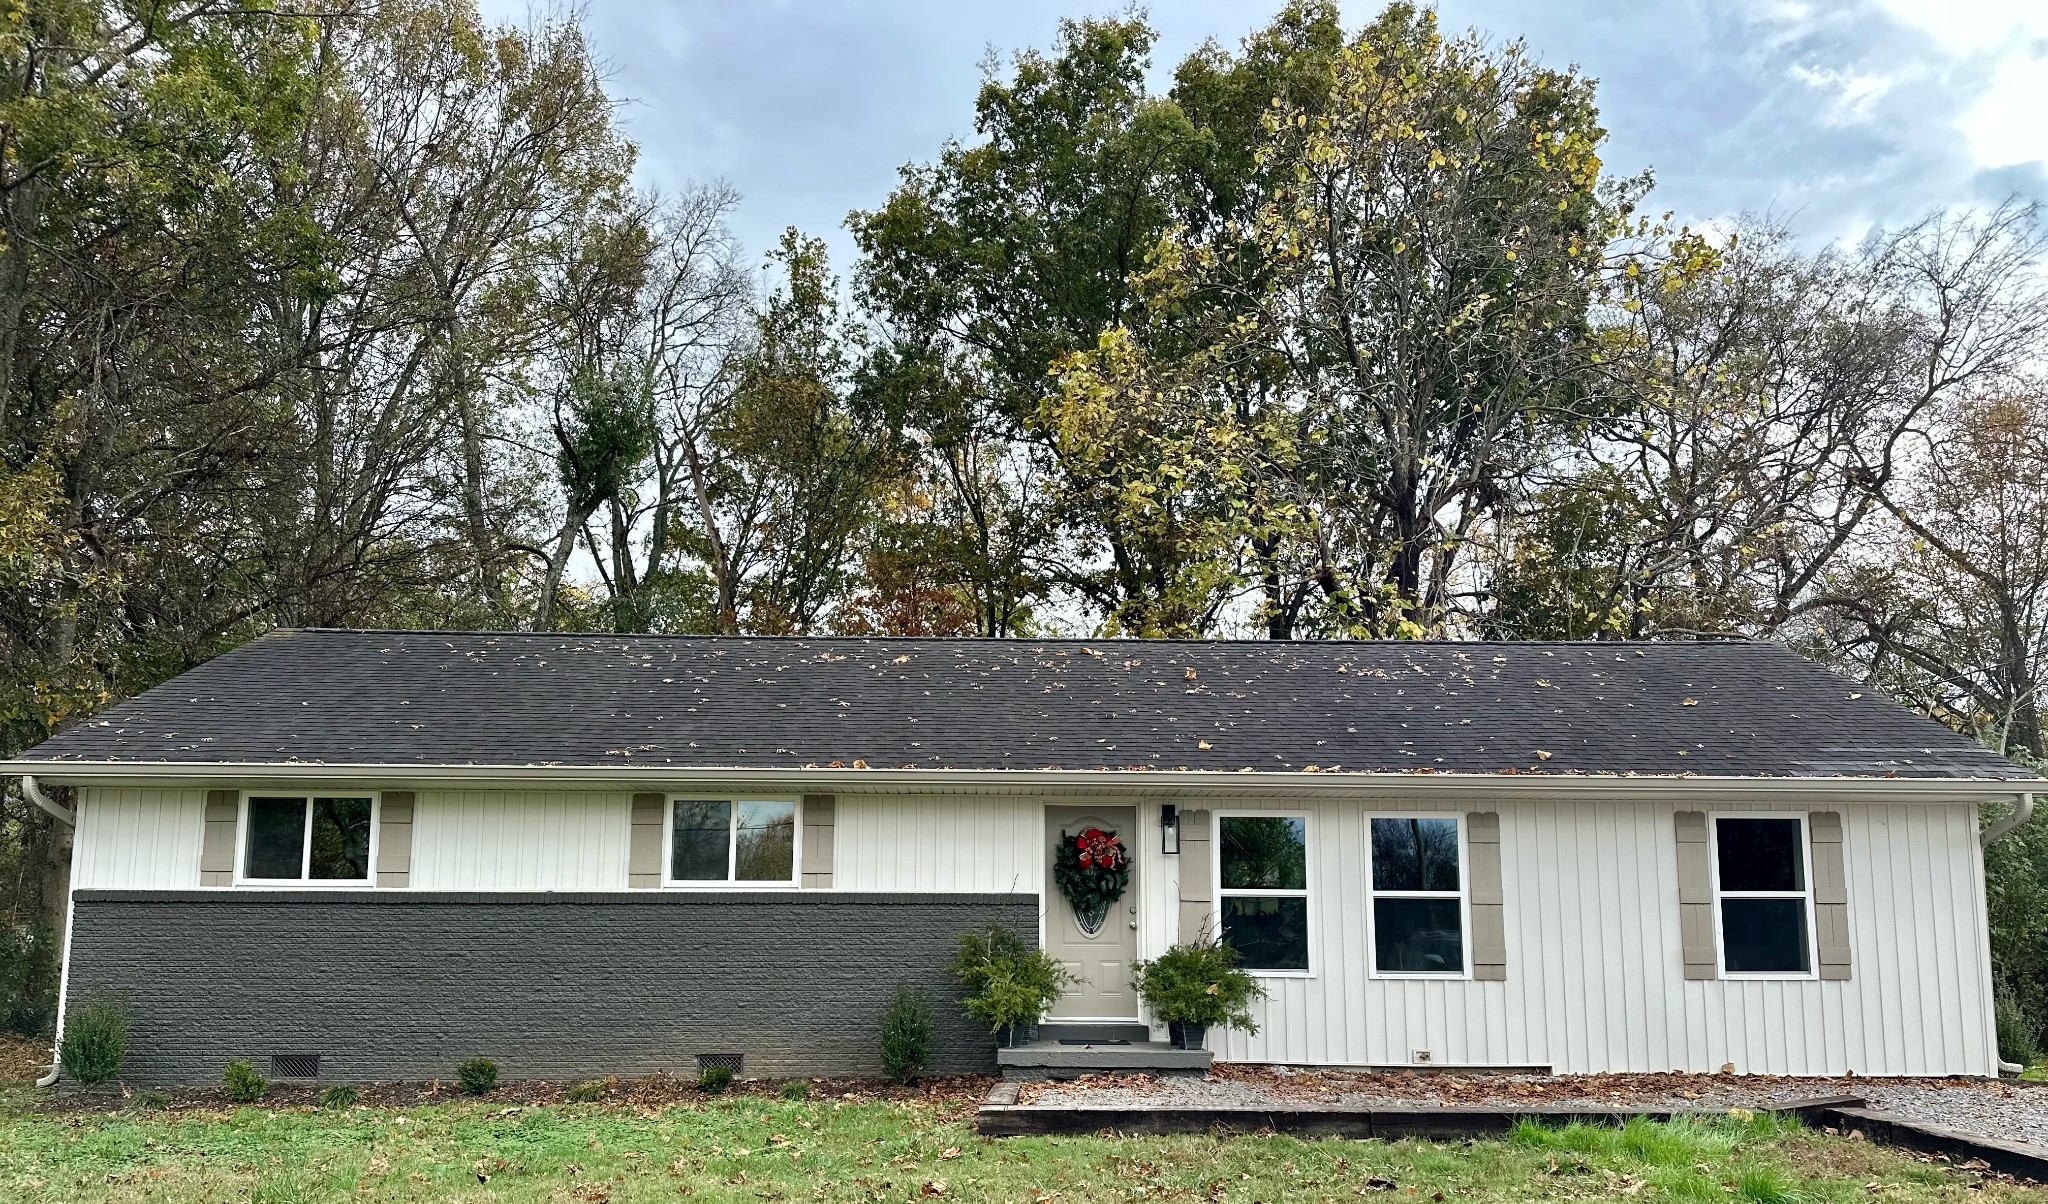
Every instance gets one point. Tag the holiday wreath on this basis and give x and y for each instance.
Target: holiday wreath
(1091, 869)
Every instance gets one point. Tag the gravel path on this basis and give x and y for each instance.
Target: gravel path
(1991, 1109)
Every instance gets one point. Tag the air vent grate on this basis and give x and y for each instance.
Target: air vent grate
(721, 1061)
(295, 1066)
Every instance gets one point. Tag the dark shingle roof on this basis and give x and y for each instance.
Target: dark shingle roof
(419, 698)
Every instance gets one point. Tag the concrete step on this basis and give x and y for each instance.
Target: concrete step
(1081, 1030)
(1053, 1060)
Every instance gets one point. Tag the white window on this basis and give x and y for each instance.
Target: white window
(1762, 902)
(717, 842)
(1262, 890)
(306, 838)
(1418, 895)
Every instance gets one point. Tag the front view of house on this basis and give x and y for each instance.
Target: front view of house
(370, 855)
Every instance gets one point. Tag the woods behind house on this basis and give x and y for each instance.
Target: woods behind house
(354, 315)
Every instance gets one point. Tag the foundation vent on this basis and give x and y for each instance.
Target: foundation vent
(720, 1061)
(295, 1066)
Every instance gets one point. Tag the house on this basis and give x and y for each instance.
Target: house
(371, 854)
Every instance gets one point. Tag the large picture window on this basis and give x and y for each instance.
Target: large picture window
(1761, 895)
(1418, 895)
(296, 838)
(1262, 878)
(732, 841)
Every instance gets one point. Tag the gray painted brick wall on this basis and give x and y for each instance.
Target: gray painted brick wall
(553, 986)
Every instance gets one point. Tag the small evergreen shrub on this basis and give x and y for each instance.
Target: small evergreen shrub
(149, 1101)
(242, 1083)
(2016, 1040)
(907, 1033)
(341, 1095)
(1199, 983)
(588, 1092)
(796, 1089)
(714, 1079)
(28, 980)
(478, 1076)
(95, 1040)
(1010, 982)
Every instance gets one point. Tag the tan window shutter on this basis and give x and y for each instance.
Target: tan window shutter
(1197, 876)
(394, 839)
(1696, 897)
(643, 857)
(1830, 894)
(217, 851)
(1489, 904)
(819, 813)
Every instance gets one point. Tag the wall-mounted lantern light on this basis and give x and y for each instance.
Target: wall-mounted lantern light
(1169, 829)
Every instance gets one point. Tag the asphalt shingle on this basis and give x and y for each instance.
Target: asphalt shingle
(444, 698)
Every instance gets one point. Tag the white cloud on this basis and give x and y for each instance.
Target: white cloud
(2006, 125)
(1968, 27)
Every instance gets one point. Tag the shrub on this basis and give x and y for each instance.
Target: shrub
(1198, 983)
(2016, 1040)
(149, 1101)
(478, 1076)
(28, 980)
(907, 1032)
(1009, 981)
(95, 1040)
(588, 1092)
(713, 1079)
(796, 1089)
(243, 1084)
(341, 1095)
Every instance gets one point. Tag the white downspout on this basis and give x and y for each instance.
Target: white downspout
(1999, 831)
(62, 815)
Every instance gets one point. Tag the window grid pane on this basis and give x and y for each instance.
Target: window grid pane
(701, 846)
(1760, 855)
(1418, 935)
(341, 840)
(276, 840)
(766, 849)
(1269, 932)
(1263, 852)
(1415, 855)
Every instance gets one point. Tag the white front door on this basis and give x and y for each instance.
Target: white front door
(1100, 960)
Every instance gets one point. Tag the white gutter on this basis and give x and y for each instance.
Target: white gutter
(35, 795)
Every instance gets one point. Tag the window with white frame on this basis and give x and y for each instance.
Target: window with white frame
(732, 840)
(1761, 895)
(1262, 880)
(1418, 895)
(302, 838)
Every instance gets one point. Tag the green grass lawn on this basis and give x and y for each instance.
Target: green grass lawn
(760, 1147)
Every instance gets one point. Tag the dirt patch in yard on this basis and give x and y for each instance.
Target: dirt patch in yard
(23, 1059)
(954, 1096)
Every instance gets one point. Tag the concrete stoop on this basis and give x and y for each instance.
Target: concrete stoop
(1068, 1051)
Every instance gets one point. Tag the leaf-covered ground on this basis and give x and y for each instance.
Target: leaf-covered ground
(751, 1147)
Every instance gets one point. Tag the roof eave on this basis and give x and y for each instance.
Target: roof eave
(1094, 782)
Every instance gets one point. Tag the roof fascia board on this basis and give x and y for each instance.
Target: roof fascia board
(1083, 782)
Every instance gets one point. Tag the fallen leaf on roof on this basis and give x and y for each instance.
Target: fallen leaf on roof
(901, 659)
(1203, 744)
(1689, 702)
(1542, 755)
(859, 764)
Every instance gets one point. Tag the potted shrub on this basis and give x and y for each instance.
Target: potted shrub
(1010, 983)
(1195, 987)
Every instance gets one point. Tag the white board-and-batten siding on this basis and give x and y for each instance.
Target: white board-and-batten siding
(1595, 975)
(1594, 982)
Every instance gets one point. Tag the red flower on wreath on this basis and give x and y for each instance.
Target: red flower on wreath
(1100, 849)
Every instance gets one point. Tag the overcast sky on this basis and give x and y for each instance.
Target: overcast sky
(1835, 115)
